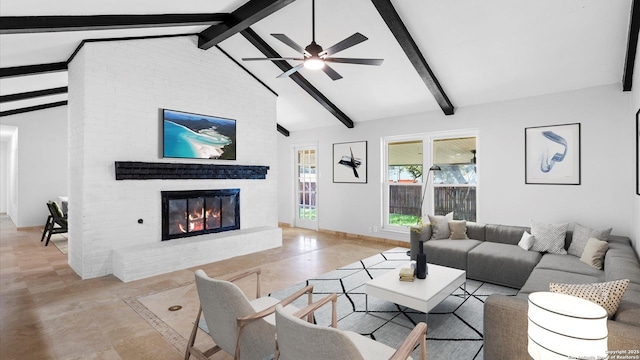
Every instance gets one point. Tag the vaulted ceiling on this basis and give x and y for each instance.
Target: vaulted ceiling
(439, 55)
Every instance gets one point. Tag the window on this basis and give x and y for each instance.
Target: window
(454, 186)
(409, 192)
(403, 182)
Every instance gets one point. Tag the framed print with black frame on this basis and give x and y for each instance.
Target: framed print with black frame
(552, 154)
(350, 162)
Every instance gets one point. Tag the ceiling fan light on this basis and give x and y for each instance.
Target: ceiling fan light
(314, 63)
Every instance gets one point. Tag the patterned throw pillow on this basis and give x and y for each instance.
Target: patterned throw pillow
(548, 237)
(607, 294)
(458, 230)
(582, 234)
(440, 226)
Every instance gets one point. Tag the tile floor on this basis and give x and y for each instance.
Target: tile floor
(48, 312)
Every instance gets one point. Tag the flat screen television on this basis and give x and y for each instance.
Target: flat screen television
(196, 136)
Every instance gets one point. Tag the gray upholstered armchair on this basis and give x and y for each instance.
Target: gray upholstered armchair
(241, 327)
(298, 339)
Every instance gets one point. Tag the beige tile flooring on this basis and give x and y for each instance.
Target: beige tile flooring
(48, 312)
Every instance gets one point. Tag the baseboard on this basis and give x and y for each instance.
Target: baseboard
(364, 237)
(27, 228)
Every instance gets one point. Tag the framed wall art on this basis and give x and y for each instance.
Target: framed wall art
(350, 162)
(552, 154)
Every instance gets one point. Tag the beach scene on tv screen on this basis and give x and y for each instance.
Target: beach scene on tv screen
(197, 136)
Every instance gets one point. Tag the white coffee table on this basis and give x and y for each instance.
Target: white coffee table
(419, 294)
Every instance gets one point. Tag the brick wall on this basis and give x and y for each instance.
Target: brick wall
(116, 89)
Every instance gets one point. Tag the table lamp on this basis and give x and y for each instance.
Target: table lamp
(565, 327)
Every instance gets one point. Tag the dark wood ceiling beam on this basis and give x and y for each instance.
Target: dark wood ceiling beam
(33, 94)
(32, 108)
(32, 69)
(399, 30)
(268, 51)
(38, 24)
(632, 46)
(241, 18)
(282, 130)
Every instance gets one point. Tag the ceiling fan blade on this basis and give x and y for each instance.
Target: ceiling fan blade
(375, 62)
(331, 73)
(287, 40)
(274, 58)
(352, 40)
(291, 71)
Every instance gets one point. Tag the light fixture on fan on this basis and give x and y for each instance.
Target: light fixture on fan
(314, 57)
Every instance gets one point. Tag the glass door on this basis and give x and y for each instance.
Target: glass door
(306, 188)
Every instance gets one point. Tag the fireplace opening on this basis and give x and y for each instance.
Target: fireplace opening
(197, 212)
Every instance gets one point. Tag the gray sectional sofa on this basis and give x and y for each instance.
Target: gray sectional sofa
(492, 254)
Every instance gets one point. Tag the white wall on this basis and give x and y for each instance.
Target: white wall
(42, 163)
(603, 199)
(115, 92)
(635, 106)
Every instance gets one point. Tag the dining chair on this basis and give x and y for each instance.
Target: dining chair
(57, 222)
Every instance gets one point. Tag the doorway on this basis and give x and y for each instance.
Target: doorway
(306, 187)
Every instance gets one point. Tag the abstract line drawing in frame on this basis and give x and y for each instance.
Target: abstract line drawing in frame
(638, 152)
(350, 162)
(552, 154)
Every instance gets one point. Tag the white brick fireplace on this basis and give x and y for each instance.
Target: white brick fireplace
(116, 89)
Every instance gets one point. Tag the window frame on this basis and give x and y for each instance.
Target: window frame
(428, 140)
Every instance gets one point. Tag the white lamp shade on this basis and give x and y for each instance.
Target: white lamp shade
(563, 326)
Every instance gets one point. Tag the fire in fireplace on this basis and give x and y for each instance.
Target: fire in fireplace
(197, 212)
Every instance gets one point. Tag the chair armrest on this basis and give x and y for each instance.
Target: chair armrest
(311, 308)
(416, 337)
(246, 320)
(271, 309)
(257, 271)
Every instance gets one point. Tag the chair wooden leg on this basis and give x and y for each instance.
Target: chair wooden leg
(192, 337)
(46, 227)
(49, 236)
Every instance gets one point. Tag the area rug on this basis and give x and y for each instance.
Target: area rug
(454, 326)
(61, 242)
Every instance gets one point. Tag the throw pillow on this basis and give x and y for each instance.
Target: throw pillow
(582, 234)
(440, 226)
(526, 241)
(458, 230)
(548, 237)
(593, 253)
(607, 294)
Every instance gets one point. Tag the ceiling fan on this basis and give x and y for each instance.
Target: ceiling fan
(314, 57)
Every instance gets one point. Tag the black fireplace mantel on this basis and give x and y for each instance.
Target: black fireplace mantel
(135, 170)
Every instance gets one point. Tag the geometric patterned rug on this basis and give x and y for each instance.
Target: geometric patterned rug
(454, 326)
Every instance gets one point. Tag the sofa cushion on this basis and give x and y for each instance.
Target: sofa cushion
(452, 253)
(629, 308)
(549, 237)
(501, 264)
(476, 231)
(582, 234)
(504, 234)
(619, 265)
(606, 294)
(593, 253)
(540, 279)
(569, 263)
(440, 226)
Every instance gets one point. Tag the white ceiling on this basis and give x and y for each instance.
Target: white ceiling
(480, 51)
